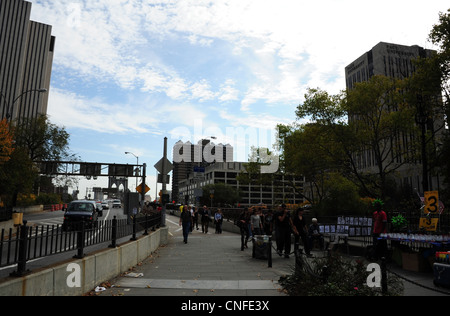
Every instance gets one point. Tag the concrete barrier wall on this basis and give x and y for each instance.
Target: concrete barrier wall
(78, 276)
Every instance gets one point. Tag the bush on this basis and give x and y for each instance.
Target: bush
(48, 198)
(345, 277)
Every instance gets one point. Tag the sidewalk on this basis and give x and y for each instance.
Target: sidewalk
(208, 265)
(213, 265)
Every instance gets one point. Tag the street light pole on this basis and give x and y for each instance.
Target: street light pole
(137, 162)
(10, 107)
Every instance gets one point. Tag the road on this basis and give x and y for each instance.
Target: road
(57, 217)
(47, 219)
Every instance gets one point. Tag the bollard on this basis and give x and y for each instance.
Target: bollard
(146, 225)
(80, 242)
(133, 237)
(23, 245)
(113, 233)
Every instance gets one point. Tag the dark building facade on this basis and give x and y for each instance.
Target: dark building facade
(395, 61)
(189, 158)
(26, 58)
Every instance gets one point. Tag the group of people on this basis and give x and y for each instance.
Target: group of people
(189, 218)
(253, 222)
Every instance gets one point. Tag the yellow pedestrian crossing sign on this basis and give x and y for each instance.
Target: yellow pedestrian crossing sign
(139, 188)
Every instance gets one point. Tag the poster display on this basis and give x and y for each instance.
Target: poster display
(349, 225)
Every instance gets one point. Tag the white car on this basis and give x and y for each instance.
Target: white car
(116, 203)
(105, 205)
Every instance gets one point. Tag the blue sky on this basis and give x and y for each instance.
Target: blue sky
(127, 73)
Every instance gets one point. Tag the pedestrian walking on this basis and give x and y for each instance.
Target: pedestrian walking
(218, 220)
(191, 210)
(300, 231)
(186, 222)
(205, 215)
(195, 218)
(242, 223)
(255, 222)
(268, 223)
(283, 224)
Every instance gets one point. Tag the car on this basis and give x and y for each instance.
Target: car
(171, 208)
(105, 205)
(116, 203)
(78, 212)
(99, 207)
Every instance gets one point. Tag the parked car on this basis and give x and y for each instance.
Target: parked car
(78, 212)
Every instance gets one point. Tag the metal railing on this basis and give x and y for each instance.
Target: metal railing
(24, 243)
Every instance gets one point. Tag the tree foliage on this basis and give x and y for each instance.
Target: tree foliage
(223, 195)
(42, 139)
(6, 141)
(34, 139)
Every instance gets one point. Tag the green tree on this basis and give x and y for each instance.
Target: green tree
(378, 117)
(223, 195)
(440, 36)
(35, 139)
(17, 175)
(43, 140)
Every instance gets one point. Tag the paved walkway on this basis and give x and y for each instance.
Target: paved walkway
(213, 265)
(208, 265)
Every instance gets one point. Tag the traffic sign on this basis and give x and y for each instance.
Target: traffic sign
(166, 179)
(429, 224)
(431, 200)
(168, 166)
(139, 188)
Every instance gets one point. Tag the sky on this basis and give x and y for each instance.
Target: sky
(127, 73)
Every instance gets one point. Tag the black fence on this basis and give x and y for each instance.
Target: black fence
(25, 243)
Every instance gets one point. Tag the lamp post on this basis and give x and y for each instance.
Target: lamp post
(137, 163)
(10, 107)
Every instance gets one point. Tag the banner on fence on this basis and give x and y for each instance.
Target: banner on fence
(349, 225)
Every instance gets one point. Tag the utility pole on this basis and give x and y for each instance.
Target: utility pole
(164, 187)
(164, 166)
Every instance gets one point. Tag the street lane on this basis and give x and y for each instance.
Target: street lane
(50, 222)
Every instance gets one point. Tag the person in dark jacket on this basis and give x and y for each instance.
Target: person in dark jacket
(283, 224)
(205, 217)
(186, 222)
(242, 223)
(301, 231)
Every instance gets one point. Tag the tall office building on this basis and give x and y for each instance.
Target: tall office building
(395, 61)
(189, 159)
(390, 60)
(26, 52)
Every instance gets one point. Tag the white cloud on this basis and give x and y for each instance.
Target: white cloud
(75, 111)
(202, 91)
(282, 46)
